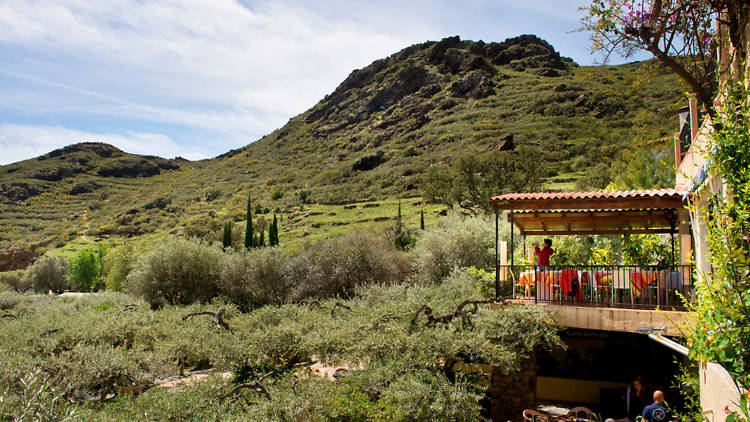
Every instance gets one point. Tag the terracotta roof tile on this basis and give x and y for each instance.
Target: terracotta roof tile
(652, 193)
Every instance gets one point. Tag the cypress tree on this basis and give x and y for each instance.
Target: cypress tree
(249, 238)
(421, 219)
(399, 212)
(273, 232)
(226, 239)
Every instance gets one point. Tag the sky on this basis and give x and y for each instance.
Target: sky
(196, 78)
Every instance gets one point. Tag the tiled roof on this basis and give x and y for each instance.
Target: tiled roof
(629, 194)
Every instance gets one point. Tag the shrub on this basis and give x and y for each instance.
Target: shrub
(8, 300)
(336, 267)
(304, 195)
(48, 274)
(177, 271)
(16, 280)
(454, 241)
(254, 277)
(277, 194)
(117, 265)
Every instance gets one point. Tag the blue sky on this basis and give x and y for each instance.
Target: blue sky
(196, 78)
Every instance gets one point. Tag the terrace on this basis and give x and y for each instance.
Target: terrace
(642, 287)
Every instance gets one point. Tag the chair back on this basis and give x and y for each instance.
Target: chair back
(534, 416)
(580, 411)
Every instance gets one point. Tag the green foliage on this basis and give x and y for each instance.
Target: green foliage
(49, 274)
(117, 264)
(86, 270)
(688, 383)
(38, 402)
(722, 330)
(455, 241)
(643, 169)
(226, 238)
(177, 271)
(646, 249)
(16, 280)
(474, 178)
(277, 194)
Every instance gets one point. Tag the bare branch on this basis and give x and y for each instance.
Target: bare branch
(218, 317)
(337, 305)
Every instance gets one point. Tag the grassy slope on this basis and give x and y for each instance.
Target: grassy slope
(579, 119)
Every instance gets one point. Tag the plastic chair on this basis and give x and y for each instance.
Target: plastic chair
(534, 416)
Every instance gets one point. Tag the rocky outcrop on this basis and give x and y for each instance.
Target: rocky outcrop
(503, 144)
(84, 187)
(477, 84)
(16, 258)
(136, 166)
(98, 148)
(369, 162)
(19, 191)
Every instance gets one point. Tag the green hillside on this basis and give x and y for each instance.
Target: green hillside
(370, 140)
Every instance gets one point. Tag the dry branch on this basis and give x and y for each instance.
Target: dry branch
(314, 303)
(218, 317)
(338, 305)
(461, 312)
(256, 385)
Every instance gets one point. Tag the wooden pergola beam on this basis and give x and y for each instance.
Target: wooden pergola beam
(597, 232)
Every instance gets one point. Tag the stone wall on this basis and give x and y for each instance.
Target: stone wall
(513, 392)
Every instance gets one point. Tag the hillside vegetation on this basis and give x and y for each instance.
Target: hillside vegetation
(372, 139)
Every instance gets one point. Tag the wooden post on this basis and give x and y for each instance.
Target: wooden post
(503, 261)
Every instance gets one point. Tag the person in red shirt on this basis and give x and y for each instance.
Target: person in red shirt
(544, 254)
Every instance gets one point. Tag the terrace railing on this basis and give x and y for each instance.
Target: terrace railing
(637, 286)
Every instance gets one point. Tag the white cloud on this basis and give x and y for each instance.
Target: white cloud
(280, 59)
(19, 142)
(238, 69)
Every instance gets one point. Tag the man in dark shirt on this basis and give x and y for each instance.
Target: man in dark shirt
(657, 412)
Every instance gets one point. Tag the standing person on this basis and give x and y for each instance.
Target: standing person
(636, 398)
(543, 279)
(657, 412)
(543, 255)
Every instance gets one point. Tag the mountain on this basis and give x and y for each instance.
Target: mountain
(371, 138)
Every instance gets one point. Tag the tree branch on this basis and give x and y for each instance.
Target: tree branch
(218, 317)
(336, 305)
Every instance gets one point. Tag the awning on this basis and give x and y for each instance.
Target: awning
(592, 213)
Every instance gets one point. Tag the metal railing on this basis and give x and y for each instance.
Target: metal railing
(642, 286)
